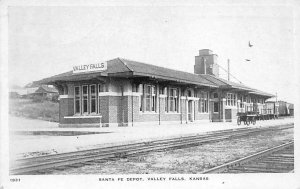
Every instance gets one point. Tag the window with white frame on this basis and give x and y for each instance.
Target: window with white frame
(93, 99)
(248, 99)
(153, 100)
(203, 102)
(85, 95)
(166, 99)
(77, 107)
(241, 101)
(150, 98)
(141, 90)
(234, 99)
(173, 100)
(163, 91)
(86, 99)
(231, 99)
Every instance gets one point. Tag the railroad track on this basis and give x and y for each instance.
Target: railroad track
(278, 159)
(42, 164)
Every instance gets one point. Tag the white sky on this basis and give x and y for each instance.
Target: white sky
(44, 41)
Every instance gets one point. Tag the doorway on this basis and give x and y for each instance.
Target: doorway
(190, 110)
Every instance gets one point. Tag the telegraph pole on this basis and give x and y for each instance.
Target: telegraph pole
(228, 69)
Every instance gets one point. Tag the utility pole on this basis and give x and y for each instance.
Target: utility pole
(204, 64)
(228, 69)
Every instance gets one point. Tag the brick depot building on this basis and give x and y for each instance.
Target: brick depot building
(130, 93)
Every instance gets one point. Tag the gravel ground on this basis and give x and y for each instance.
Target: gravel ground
(191, 160)
(22, 146)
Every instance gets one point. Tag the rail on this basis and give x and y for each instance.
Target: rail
(36, 164)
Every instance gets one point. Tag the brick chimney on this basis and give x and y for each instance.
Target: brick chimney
(206, 63)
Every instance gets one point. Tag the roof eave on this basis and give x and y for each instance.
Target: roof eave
(172, 79)
(263, 94)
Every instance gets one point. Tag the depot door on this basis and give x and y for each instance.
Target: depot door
(190, 111)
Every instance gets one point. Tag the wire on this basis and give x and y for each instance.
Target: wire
(229, 73)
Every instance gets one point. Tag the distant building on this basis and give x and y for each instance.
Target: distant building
(31, 88)
(46, 92)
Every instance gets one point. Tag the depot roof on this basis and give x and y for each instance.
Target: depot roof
(222, 83)
(121, 67)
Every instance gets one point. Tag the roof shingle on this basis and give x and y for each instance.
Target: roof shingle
(121, 67)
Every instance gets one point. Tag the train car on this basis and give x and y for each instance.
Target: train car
(270, 110)
(283, 108)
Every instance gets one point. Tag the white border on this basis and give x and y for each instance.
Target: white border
(91, 181)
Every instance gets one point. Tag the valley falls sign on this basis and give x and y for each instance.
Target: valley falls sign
(98, 67)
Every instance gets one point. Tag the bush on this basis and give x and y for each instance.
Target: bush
(37, 99)
(45, 110)
(55, 98)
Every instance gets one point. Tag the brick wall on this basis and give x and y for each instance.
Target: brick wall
(202, 116)
(82, 121)
(66, 108)
(104, 107)
(121, 111)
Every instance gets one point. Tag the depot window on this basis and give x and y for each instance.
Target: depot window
(231, 99)
(203, 102)
(216, 107)
(93, 99)
(173, 100)
(149, 98)
(242, 99)
(85, 99)
(85, 95)
(141, 89)
(165, 91)
(77, 95)
(248, 99)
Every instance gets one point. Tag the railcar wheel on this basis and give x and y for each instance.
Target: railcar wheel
(247, 121)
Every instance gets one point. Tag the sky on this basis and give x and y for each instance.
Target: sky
(44, 41)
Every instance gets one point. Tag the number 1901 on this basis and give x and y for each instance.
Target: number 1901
(15, 180)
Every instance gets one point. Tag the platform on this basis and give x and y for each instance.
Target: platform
(36, 137)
